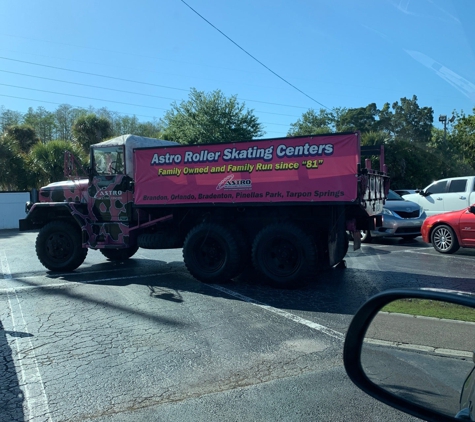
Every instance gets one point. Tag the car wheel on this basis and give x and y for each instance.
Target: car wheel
(365, 236)
(444, 240)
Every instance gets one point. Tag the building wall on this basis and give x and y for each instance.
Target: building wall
(12, 208)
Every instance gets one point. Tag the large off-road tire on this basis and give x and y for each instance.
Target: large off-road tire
(212, 253)
(444, 240)
(58, 246)
(119, 254)
(285, 255)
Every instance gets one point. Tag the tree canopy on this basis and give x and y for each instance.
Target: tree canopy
(416, 152)
(208, 118)
(91, 129)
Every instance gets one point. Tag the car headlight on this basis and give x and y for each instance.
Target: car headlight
(388, 212)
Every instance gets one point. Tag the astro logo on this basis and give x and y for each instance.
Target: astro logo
(228, 183)
(108, 193)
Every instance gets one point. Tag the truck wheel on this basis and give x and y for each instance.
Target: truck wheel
(58, 246)
(285, 254)
(444, 240)
(212, 254)
(119, 254)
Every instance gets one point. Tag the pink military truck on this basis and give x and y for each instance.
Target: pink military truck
(283, 206)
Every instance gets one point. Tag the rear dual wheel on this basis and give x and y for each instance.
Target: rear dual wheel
(285, 255)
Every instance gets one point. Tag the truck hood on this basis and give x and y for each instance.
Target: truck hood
(66, 191)
(414, 197)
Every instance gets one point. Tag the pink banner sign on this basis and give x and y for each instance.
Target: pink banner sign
(301, 169)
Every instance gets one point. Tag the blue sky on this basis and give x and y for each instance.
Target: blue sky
(341, 53)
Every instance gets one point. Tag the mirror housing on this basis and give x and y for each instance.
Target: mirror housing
(356, 335)
(472, 209)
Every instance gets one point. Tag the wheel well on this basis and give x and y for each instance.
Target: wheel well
(43, 215)
(438, 224)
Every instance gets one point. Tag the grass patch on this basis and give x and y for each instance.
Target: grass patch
(431, 308)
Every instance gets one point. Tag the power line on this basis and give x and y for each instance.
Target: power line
(113, 111)
(81, 96)
(252, 57)
(118, 90)
(134, 81)
(76, 106)
(94, 74)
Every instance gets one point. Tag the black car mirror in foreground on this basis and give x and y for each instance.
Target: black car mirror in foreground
(414, 350)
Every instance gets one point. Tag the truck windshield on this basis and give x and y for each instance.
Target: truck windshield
(109, 161)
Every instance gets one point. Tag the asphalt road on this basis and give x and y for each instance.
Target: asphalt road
(143, 341)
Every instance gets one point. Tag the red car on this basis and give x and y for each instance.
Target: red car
(449, 231)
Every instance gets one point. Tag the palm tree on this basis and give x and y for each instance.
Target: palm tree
(47, 160)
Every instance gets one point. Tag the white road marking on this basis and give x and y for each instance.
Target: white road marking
(36, 402)
(288, 315)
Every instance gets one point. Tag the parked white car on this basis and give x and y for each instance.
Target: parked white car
(445, 195)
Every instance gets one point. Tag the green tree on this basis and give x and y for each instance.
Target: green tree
(463, 137)
(42, 121)
(91, 129)
(47, 160)
(408, 121)
(362, 119)
(65, 116)
(207, 118)
(9, 118)
(312, 123)
(12, 162)
(24, 135)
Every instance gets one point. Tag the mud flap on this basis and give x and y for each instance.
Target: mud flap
(337, 237)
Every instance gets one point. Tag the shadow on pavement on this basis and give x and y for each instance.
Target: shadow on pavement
(11, 396)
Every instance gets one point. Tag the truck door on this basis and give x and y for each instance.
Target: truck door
(433, 201)
(111, 188)
(457, 197)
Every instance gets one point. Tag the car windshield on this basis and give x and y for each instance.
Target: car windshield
(393, 196)
(232, 215)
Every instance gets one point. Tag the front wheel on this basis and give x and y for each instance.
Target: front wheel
(119, 254)
(59, 248)
(444, 240)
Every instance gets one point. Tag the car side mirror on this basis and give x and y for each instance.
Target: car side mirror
(423, 193)
(472, 209)
(394, 351)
